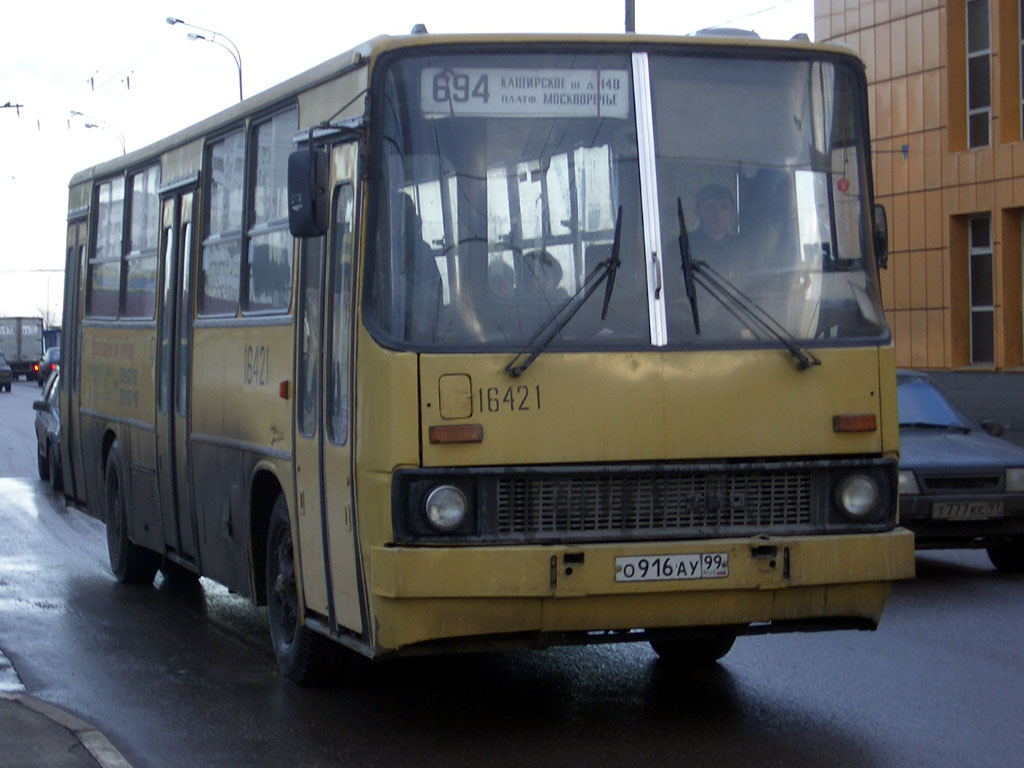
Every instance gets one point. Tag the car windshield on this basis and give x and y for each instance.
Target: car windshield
(921, 404)
(505, 175)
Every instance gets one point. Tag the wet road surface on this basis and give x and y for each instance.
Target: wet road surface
(182, 674)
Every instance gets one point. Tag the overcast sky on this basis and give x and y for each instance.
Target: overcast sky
(135, 78)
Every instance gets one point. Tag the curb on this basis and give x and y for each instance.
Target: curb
(96, 743)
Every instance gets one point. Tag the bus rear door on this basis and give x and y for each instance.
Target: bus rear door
(176, 509)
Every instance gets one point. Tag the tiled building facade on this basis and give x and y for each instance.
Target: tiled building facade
(945, 96)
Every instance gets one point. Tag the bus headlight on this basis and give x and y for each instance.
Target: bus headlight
(446, 508)
(908, 483)
(857, 496)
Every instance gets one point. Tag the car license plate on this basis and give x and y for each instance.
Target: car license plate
(708, 565)
(967, 510)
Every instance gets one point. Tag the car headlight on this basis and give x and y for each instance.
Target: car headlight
(1015, 479)
(857, 496)
(446, 508)
(908, 483)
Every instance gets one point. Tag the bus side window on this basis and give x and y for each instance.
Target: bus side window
(340, 309)
(310, 325)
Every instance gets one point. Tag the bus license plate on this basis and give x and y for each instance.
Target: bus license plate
(709, 565)
(967, 510)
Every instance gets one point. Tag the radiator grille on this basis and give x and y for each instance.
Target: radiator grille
(961, 483)
(719, 501)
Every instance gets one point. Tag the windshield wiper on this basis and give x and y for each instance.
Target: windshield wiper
(688, 266)
(750, 313)
(551, 327)
(739, 305)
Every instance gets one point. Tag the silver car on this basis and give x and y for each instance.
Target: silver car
(960, 484)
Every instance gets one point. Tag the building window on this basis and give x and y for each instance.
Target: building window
(979, 74)
(982, 304)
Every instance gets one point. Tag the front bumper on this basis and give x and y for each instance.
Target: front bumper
(919, 515)
(464, 595)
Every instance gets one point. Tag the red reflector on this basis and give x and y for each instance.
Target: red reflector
(854, 422)
(282, 390)
(457, 433)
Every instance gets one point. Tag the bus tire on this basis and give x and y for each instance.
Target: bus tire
(298, 649)
(695, 651)
(130, 563)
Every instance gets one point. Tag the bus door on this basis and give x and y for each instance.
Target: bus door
(323, 424)
(176, 509)
(71, 352)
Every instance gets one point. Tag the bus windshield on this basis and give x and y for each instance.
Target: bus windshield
(505, 175)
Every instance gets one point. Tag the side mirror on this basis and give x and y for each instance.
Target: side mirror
(39, 405)
(308, 196)
(880, 235)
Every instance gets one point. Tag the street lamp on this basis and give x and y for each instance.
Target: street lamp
(101, 125)
(215, 38)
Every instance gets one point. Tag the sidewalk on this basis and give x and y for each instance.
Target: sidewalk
(36, 734)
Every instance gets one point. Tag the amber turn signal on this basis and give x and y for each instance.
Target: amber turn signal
(854, 422)
(457, 433)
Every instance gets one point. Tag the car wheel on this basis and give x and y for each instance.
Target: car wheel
(130, 563)
(43, 465)
(696, 651)
(299, 651)
(1008, 557)
(54, 468)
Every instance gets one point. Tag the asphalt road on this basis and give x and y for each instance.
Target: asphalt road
(183, 675)
(17, 433)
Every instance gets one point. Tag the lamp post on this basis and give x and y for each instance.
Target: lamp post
(93, 123)
(215, 38)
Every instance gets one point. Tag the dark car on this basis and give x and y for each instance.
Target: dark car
(47, 364)
(6, 374)
(48, 433)
(960, 486)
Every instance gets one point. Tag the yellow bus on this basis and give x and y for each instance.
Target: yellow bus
(462, 342)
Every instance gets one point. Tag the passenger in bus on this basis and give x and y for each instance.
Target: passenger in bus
(542, 275)
(502, 279)
(715, 239)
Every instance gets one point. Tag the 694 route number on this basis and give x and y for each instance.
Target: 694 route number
(708, 565)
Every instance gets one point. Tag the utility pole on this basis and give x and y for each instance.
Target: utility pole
(631, 15)
(15, 107)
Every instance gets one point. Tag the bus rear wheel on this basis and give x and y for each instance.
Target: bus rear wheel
(696, 650)
(297, 648)
(130, 563)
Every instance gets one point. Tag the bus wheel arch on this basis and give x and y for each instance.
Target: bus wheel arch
(129, 562)
(264, 491)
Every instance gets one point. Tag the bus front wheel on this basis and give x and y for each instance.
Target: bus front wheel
(695, 651)
(130, 563)
(296, 647)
